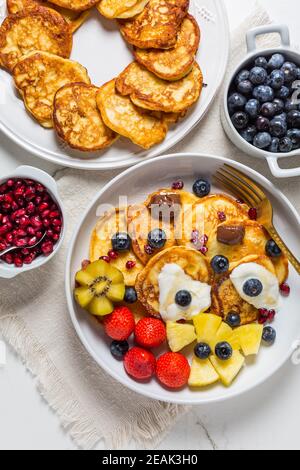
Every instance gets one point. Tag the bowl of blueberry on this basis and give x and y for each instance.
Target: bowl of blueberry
(261, 107)
(31, 220)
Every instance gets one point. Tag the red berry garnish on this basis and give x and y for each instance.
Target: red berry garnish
(173, 370)
(179, 184)
(271, 315)
(85, 264)
(203, 239)
(113, 254)
(150, 332)
(263, 316)
(140, 363)
(252, 213)
(120, 324)
(285, 289)
(105, 258)
(222, 216)
(47, 248)
(204, 250)
(130, 265)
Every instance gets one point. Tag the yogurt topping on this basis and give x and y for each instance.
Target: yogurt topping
(269, 298)
(172, 279)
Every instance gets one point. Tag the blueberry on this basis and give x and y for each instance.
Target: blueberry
(241, 76)
(262, 140)
(268, 110)
(290, 72)
(294, 135)
(233, 319)
(240, 120)
(283, 93)
(202, 350)
(258, 75)
(277, 79)
(223, 351)
(220, 264)
(272, 249)
(278, 105)
(119, 349)
(276, 61)
(285, 145)
(157, 238)
(290, 105)
(245, 87)
(261, 62)
(263, 93)
(278, 127)
(130, 295)
(293, 119)
(236, 102)
(121, 241)
(183, 298)
(262, 124)
(274, 147)
(269, 335)
(201, 187)
(282, 117)
(252, 108)
(253, 287)
(249, 133)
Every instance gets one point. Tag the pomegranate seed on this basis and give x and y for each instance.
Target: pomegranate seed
(8, 258)
(19, 191)
(29, 258)
(105, 258)
(204, 239)
(18, 262)
(32, 241)
(46, 223)
(30, 230)
(17, 214)
(38, 200)
(47, 248)
(130, 265)
(54, 214)
(148, 250)
(9, 238)
(30, 208)
(285, 289)
(6, 206)
(10, 183)
(3, 245)
(271, 315)
(57, 229)
(195, 236)
(14, 206)
(113, 254)
(18, 183)
(43, 206)
(20, 233)
(56, 222)
(45, 214)
(263, 316)
(21, 242)
(204, 250)
(85, 264)
(3, 188)
(39, 188)
(178, 184)
(24, 221)
(36, 221)
(56, 237)
(25, 251)
(8, 198)
(39, 234)
(20, 201)
(5, 220)
(4, 229)
(222, 216)
(50, 233)
(252, 213)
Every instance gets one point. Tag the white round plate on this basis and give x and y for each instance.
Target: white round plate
(136, 184)
(99, 46)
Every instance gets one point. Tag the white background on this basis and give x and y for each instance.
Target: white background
(267, 418)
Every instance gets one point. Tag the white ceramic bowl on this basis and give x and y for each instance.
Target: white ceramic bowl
(253, 53)
(136, 184)
(9, 271)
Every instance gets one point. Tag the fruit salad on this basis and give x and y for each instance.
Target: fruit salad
(185, 284)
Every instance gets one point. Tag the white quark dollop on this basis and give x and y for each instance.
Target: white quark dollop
(269, 298)
(172, 279)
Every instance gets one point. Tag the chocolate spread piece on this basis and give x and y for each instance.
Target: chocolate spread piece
(231, 234)
(165, 205)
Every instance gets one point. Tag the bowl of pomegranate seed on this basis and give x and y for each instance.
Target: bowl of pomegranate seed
(31, 220)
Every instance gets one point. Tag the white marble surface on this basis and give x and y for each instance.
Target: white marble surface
(267, 418)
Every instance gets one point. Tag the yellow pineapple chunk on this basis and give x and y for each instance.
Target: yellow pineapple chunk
(206, 326)
(225, 333)
(180, 335)
(249, 337)
(202, 373)
(228, 370)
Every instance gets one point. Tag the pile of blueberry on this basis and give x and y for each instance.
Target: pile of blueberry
(262, 107)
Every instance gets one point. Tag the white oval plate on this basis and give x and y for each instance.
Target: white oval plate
(136, 184)
(99, 46)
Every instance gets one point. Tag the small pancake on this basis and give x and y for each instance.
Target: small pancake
(120, 115)
(77, 119)
(75, 5)
(100, 244)
(39, 75)
(204, 216)
(140, 223)
(175, 63)
(148, 91)
(73, 18)
(157, 26)
(254, 241)
(121, 8)
(49, 32)
(147, 286)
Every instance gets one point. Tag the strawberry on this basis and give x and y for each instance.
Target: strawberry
(119, 324)
(140, 363)
(150, 332)
(173, 370)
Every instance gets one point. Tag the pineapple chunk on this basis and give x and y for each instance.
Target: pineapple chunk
(202, 373)
(249, 337)
(180, 335)
(206, 326)
(225, 333)
(228, 370)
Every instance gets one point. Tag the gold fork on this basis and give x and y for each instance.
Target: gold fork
(244, 188)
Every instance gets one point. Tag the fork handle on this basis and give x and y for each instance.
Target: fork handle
(292, 259)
